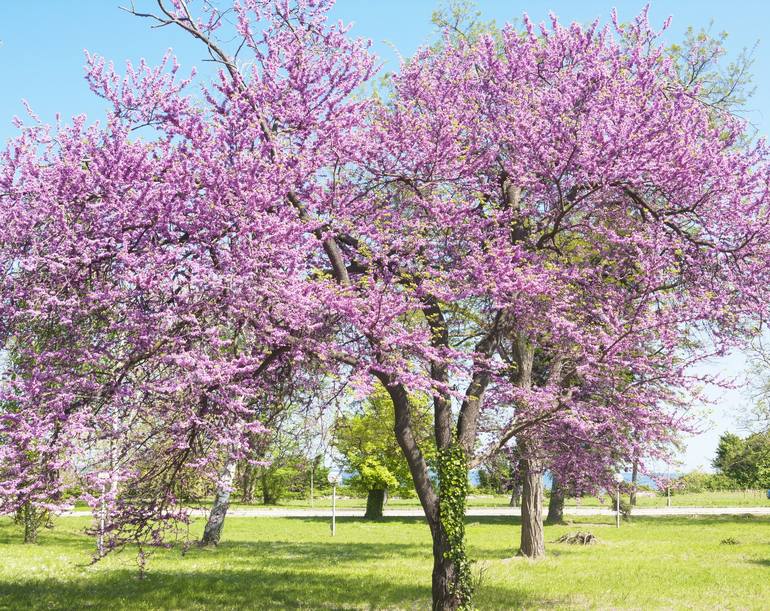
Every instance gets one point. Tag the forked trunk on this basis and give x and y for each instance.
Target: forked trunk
(212, 533)
(532, 538)
(444, 505)
(375, 499)
(556, 503)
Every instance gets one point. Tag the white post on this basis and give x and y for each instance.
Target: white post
(618, 480)
(334, 509)
(334, 479)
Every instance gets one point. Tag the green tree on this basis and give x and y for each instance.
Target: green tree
(745, 461)
(368, 446)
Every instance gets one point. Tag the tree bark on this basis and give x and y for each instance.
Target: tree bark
(451, 583)
(444, 572)
(515, 495)
(375, 499)
(268, 498)
(444, 577)
(212, 533)
(30, 520)
(247, 483)
(556, 503)
(634, 479)
(532, 539)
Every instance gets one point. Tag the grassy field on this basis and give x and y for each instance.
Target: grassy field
(276, 563)
(740, 498)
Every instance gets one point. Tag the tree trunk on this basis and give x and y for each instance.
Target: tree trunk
(532, 539)
(30, 519)
(213, 530)
(515, 495)
(268, 493)
(247, 483)
(634, 478)
(556, 503)
(375, 499)
(445, 597)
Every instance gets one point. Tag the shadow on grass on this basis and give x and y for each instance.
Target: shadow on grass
(249, 575)
(228, 589)
(231, 588)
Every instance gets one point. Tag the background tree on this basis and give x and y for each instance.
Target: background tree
(746, 461)
(366, 442)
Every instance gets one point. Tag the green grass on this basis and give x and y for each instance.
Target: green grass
(276, 563)
(748, 498)
(740, 498)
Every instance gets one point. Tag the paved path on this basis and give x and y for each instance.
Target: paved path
(264, 512)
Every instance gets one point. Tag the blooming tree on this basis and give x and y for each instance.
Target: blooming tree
(567, 195)
(531, 228)
(153, 287)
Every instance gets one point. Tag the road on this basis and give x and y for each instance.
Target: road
(264, 512)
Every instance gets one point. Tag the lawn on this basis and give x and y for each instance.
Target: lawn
(740, 498)
(274, 563)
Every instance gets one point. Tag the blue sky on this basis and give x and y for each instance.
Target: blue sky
(41, 59)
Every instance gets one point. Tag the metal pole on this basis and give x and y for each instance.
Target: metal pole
(617, 507)
(334, 509)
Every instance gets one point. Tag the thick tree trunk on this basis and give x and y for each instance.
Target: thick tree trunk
(212, 533)
(634, 479)
(532, 539)
(556, 503)
(375, 499)
(444, 572)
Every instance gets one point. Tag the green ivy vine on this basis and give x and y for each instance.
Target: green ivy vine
(453, 485)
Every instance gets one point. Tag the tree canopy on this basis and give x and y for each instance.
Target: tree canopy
(536, 229)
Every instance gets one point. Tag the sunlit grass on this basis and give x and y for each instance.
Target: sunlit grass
(275, 563)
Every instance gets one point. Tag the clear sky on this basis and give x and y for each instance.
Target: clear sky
(41, 59)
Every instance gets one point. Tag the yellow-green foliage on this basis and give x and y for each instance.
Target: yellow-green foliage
(366, 441)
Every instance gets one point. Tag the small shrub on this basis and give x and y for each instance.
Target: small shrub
(729, 541)
(578, 538)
